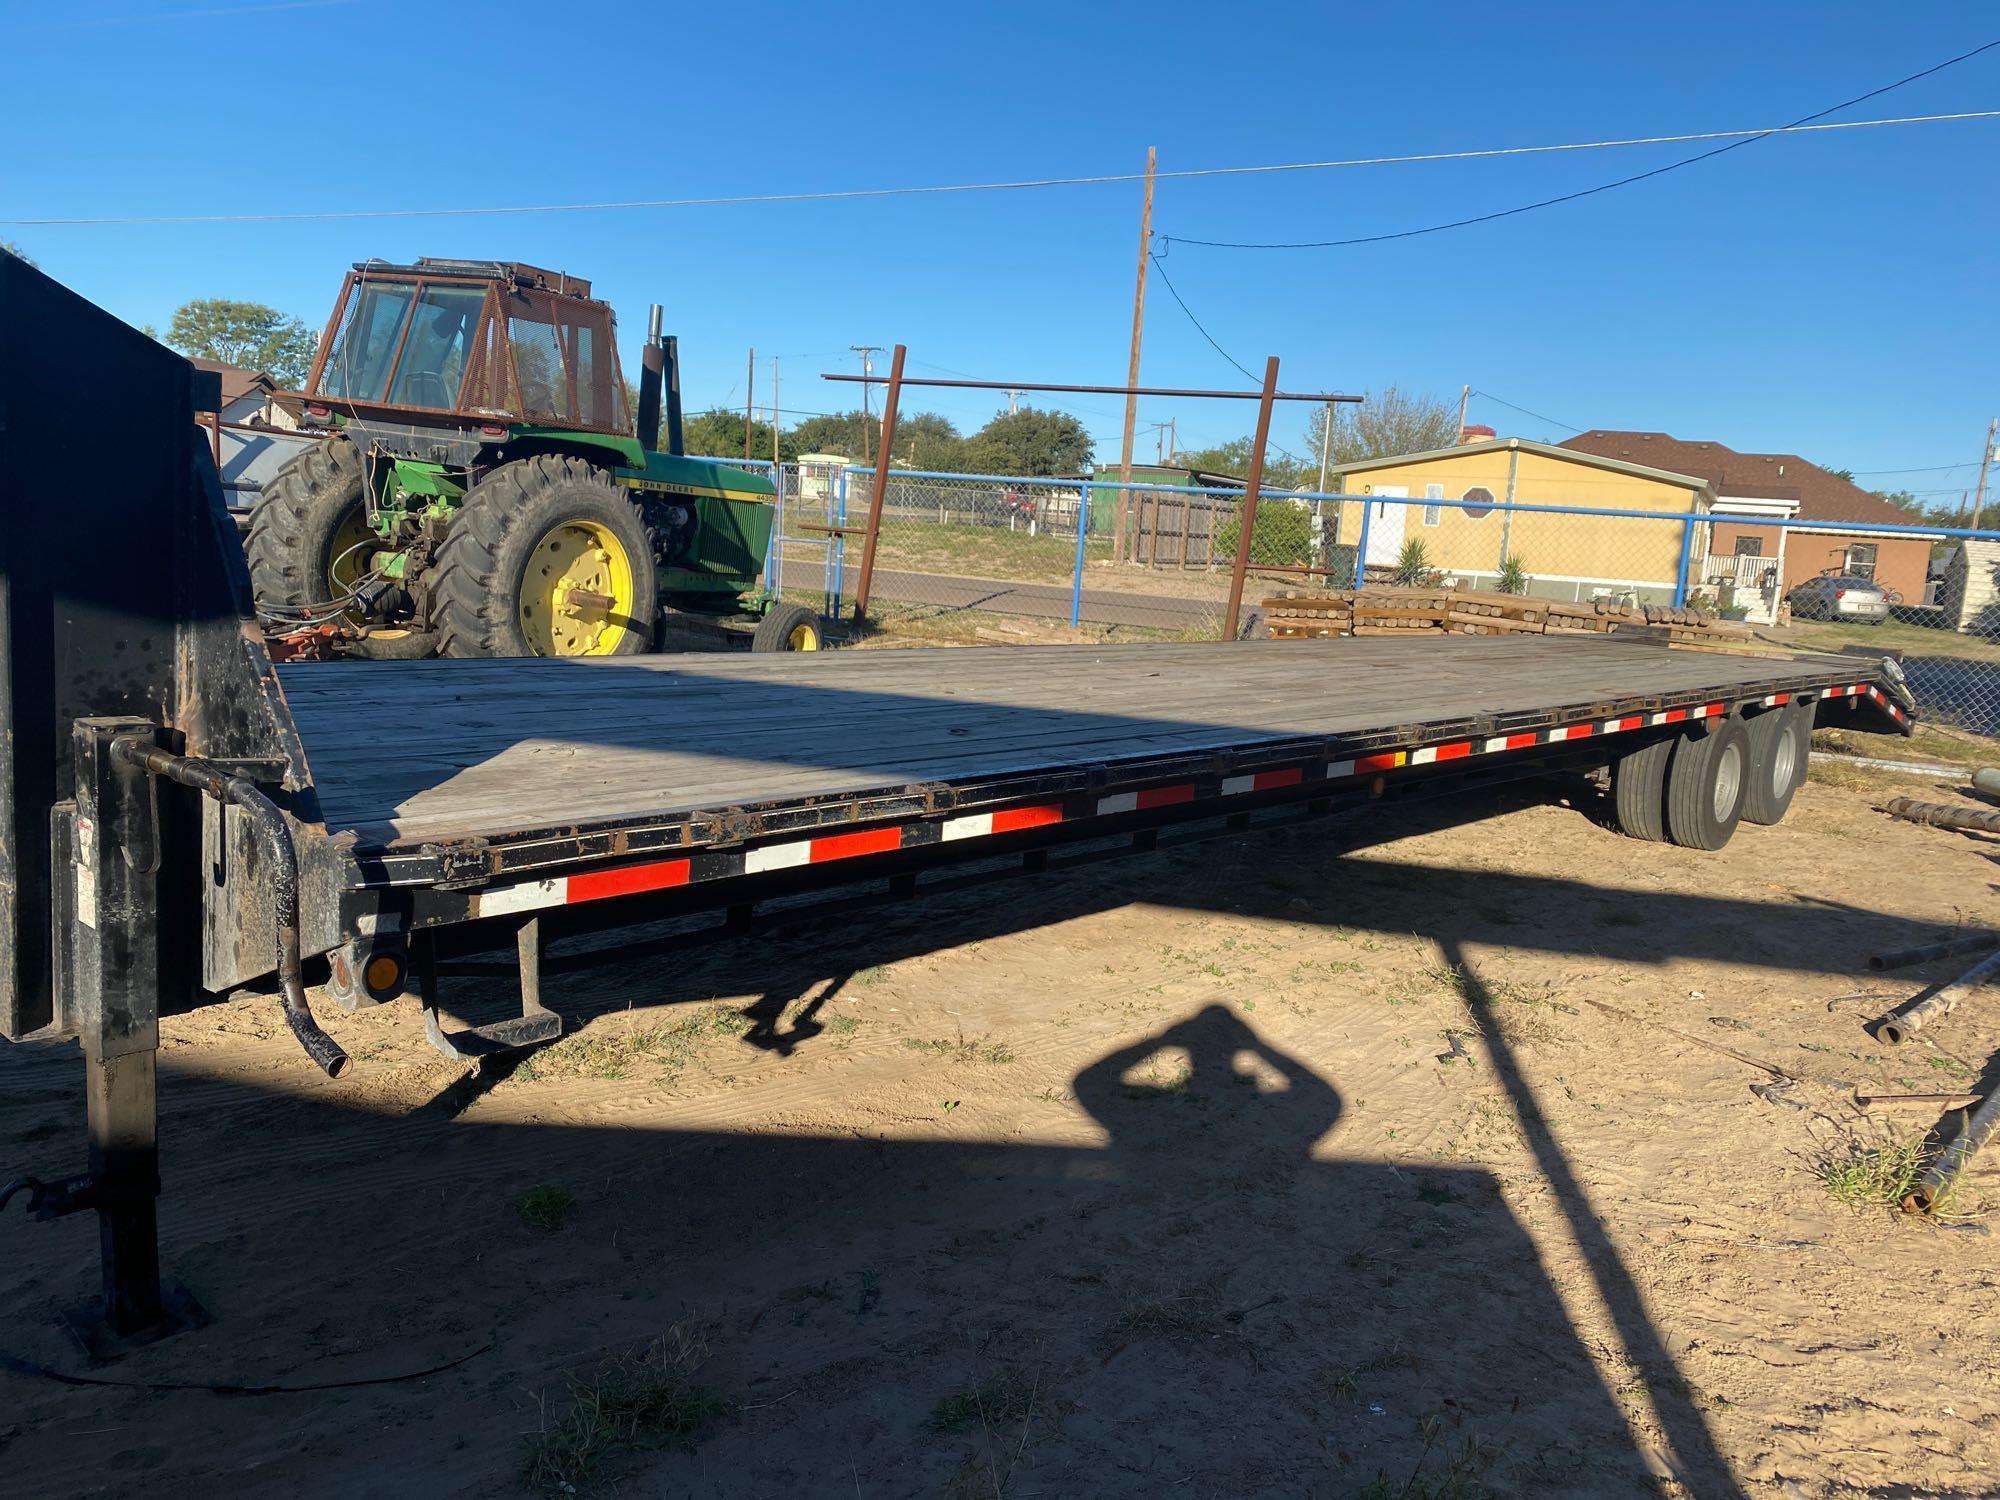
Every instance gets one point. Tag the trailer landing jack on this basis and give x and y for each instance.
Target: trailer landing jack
(109, 984)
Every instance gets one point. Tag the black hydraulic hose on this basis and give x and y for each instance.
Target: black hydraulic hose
(276, 835)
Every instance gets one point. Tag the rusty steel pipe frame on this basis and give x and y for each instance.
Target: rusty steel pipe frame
(1900, 1025)
(1246, 515)
(1943, 815)
(1103, 390)
(881, 486)
(1977, 1130)
(276, 835)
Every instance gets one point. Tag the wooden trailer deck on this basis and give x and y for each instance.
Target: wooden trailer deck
(409, 752)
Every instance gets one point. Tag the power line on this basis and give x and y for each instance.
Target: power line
(1602, 187)
(1096, 180)
(1168, 283)
(1551, 421)
(1970, 463)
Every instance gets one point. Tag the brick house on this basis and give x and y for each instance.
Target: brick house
(1784, 487)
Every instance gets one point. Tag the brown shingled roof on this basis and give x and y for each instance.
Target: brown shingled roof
(237, 382)
(1822, 497)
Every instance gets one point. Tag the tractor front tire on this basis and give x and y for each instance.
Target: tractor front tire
(310, 514)
(546, 557)
(789, 627)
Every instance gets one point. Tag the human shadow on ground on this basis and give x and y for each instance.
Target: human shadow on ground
(1210, 1301)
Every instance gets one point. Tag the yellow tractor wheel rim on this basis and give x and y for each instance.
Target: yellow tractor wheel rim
(803, 638)
(576, 595)
(348, 554)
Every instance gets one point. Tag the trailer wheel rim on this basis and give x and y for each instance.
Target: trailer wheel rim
(804, 637)
(1784, 762)
(577, 592)
(1728, 781)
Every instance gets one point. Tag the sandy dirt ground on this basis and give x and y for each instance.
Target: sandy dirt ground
(1299, 1163)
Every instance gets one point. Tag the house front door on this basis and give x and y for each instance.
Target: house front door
(1385, 526)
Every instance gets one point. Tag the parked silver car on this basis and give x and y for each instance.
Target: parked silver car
(1840, 597)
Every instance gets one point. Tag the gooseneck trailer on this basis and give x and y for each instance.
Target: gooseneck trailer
(182, 817)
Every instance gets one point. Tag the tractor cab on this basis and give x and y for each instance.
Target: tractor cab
(469, 344)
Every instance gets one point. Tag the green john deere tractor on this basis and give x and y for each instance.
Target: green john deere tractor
(480, 490)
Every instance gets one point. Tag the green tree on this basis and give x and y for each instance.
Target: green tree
(924, 439)
(1386, 423)
(248, 335)
(8, 247)
(1282, 471)
(717, 433)
(1029, 442)
(1281, 537)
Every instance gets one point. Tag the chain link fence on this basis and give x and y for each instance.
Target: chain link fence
(980, 557)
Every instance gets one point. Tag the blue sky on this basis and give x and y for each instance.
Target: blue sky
(1828, 295)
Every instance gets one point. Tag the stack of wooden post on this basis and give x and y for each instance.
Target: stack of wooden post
(1293, 617)
(1406, 611)
(1496, 614)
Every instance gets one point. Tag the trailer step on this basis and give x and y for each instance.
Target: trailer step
(535, 1024)
(476, 1043)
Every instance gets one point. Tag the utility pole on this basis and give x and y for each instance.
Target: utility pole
(1013, 403)
(776, 477)
(749, 399)
(1132, 369)
(1326, 444)
(1985, 458)
(867, 369)
(1464, 396)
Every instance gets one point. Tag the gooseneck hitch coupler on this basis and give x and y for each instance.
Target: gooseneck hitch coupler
(276, 836)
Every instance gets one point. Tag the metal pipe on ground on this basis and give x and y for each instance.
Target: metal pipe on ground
(1899, 1026)
(1965, 942)
(224, 786)
(1936, 1183)
(1942, 815)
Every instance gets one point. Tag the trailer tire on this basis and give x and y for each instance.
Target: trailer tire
(1780, 742)
(789, 627)
(486, 601)
(1639, 790)
(312, 511)
(1705, 784)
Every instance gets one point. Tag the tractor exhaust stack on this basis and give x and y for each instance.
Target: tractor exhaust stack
(652, 370)
(676, 440)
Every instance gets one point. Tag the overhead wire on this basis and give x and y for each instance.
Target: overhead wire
(1741, 137)
(1801, 123)
(1551, 421)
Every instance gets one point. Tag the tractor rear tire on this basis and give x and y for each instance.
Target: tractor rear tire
(312, 510)
(499, 585)
(789, 627)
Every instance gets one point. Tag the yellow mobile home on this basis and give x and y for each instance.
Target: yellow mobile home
(1454, 505)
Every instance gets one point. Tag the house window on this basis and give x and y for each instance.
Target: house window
(1433, 512)
(1478, 502)
(1861, 560)
(1749, 546)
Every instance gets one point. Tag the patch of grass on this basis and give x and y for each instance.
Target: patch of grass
(611, 1052)
(1456, 1477)
(632, 1402)
(1005, 1396)
(1881, 1176)
(843, 1025)
(1950, 1065)
(974, 1050)
(546, 1207)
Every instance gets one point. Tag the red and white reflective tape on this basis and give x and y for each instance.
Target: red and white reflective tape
(570, 890)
